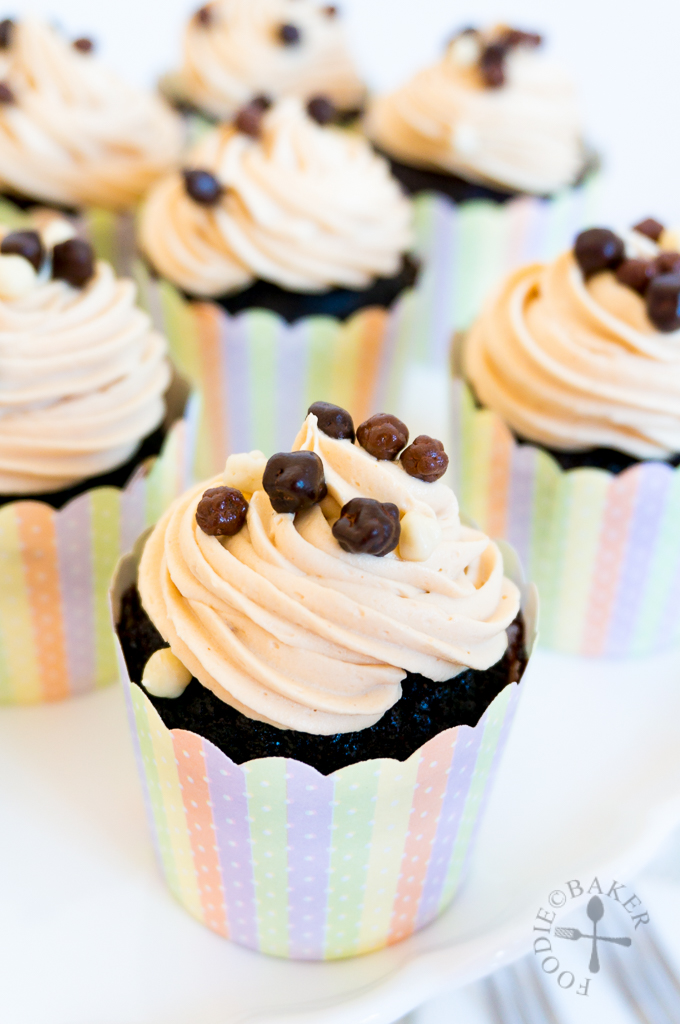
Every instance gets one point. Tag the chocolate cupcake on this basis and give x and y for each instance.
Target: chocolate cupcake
(324, 612)
(235, 51)
(576, 366)
(71, 133)
(493, 119)
(82, 407)
(281, 211)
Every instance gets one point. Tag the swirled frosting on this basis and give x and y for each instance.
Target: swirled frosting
(306, 206)
(233, 52)
(75, 134)
(576, 364)
(283, 624)
(82, 379)
(524, 136)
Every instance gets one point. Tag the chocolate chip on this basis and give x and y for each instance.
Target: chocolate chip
(368, 527)
(515, 37)
(6, 94)
(289, 35)
(492, 65)
(24, 243)
(203, 187)
(321, 110)
(635, 274)
(383, 436)
(333, 421)
(650, 227)
(204, 15)
(598, 249)
(221, 512)
(73, 261)
(330, 11)
(294, 481)
(262, 101)
(84, 45)
(663, 302)
(6, 30)
(249, 120)
(425, 459)
(667, 263)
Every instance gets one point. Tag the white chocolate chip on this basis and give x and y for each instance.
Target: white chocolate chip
(57, 231)
(420, 535)
(670, 240)
(17, 276)
(245, 471)
(165, 675)
(639, 246)
(465, 139)
(465, 50)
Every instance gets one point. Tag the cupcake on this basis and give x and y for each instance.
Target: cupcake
(82, 407)
(238, 50)
(72, 133)
(291, 227)
(576, 369)
(490, 141)
(322, 626)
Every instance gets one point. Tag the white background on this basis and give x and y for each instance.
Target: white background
(622, 53)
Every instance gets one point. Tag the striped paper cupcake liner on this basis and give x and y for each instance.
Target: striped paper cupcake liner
(286, 861)
(467, 249)
(55, 572)
(258, 375)
(603, 549)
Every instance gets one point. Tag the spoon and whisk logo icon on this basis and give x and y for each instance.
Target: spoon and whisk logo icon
(595, 911)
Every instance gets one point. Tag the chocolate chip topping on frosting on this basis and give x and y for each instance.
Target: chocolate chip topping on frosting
(307, 206)
(235, 50)
(295, 622)
(82, 374)
(494, 110)
(585, 352)
(71, 132)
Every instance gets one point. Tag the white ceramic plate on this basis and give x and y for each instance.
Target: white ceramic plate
(88, 934)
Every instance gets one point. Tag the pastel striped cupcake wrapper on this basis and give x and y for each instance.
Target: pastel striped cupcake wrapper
(468, 248)
(55, 572)
(604, 550)
(286, 861)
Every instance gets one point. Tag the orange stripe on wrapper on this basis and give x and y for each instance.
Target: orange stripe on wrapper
(35, 523)
(428, 799)
(499, 480)
(373, 329)
(614, 536)
(193, 780)
(207, 319)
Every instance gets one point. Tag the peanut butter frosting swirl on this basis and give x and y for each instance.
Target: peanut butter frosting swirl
(575, 364)
(234, 50)
(306, 206)
(523, 136)
(283, 624)
(82, 379)
(74, 133)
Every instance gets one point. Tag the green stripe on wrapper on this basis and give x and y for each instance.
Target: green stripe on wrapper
(266, 788)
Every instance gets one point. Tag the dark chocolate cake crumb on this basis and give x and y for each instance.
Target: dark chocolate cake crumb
(340, 303)
(425, 708)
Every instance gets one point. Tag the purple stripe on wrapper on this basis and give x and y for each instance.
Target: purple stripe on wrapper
(133, 510)
(460, 775)
(236, 410)
(73, 532)
(521, 499)
(228, 796)
(309, 850)
(653, 486)
(291, 372)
